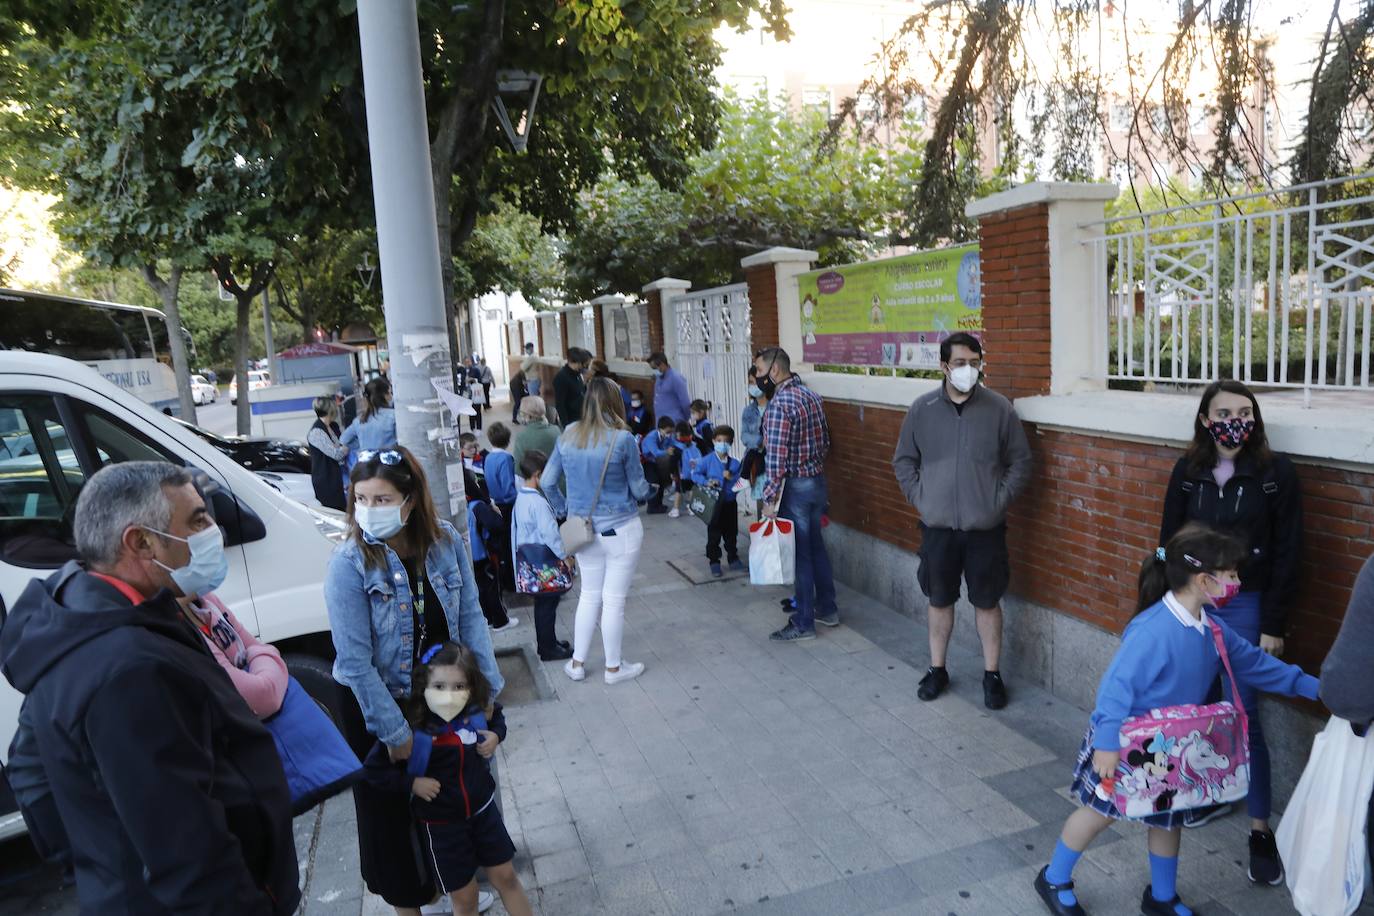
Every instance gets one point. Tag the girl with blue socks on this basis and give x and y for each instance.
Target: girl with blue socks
(1168, 657)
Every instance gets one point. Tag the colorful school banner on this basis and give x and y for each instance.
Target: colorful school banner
(893, 312)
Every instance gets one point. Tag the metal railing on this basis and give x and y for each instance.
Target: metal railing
(1271, 288)
(714, 329)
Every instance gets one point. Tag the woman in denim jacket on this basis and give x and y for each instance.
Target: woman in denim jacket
(608, 562)
(401, 582)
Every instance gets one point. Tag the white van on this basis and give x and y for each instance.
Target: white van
(60, 422)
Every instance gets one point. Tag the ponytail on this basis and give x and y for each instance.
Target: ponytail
(375, 394)
(1195, 549)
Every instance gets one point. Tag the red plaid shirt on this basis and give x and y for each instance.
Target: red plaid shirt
(795, 436)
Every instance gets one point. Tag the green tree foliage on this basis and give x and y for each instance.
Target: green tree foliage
(508, 251)
(769, 180)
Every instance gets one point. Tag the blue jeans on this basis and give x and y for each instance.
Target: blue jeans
(803, 501)
(1242, 614)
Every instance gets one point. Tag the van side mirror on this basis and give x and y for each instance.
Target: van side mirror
(241, 525)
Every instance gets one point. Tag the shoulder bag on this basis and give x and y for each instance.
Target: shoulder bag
(1181, 757)
(578, 531)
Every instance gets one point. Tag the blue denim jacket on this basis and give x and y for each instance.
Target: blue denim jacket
(373, 628)
(376, 432)
(625, 484)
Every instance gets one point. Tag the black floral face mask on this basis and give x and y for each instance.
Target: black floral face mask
(1231, 433)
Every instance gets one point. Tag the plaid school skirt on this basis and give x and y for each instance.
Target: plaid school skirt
(1085, 787)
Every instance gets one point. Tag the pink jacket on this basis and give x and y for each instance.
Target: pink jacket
(256, 668)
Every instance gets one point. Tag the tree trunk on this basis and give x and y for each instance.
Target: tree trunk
(242, 415)
(167, 291)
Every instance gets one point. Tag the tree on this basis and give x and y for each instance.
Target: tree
(970, 63)
(317, 283)
(508, 251)
(631, 77)
(769, 180)
(203, 136)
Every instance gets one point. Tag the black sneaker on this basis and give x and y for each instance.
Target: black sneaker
(659, 509)
(787, 605)
(994, 690)
(557, 654)
(1265, 865)
(832, 621)
(790, 633)
(1199, 816)
(933, 684)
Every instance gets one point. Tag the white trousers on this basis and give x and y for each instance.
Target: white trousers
(607, 565)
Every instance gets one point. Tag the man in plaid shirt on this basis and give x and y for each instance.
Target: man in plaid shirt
(796, 440)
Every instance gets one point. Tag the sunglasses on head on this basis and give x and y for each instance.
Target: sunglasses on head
(388, 456)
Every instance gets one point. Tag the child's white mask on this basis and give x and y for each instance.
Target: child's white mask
(445, 703)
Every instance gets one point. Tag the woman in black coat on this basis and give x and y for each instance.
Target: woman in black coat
(1231, 480)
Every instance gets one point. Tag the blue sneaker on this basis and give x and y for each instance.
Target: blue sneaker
(716, 571)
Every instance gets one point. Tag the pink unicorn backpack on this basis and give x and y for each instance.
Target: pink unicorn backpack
(1181, 757)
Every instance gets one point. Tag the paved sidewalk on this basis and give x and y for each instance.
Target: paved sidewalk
(740, 775)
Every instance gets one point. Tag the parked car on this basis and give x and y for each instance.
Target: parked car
(202, 392)
(297, 486)
(60, 422)
(257, 378)
(276, 455)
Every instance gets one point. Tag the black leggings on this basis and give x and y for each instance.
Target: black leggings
(489, 592)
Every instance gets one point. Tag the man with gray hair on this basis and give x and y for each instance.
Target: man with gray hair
(171, 792)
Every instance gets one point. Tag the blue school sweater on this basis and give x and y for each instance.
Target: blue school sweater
(712, 468)
(1166, 662)
(500, 473)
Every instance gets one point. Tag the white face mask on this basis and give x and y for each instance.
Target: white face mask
(964, 378)
(381, 522)
(208, 566)
(447, 704)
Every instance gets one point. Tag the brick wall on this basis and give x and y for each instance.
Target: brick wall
(563, 331)
(763, 306)
(654, 300)
(1091, 515)
(598, 310)
(539, 331)
(1014, 254)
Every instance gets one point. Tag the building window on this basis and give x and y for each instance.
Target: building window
(817, 99)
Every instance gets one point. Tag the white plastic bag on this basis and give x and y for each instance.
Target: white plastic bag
(1322, 835)
(772, 552)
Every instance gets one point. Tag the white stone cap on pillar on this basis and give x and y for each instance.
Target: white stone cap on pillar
(611, 299)
(666, 284)
(1039, 192)
(779, 256)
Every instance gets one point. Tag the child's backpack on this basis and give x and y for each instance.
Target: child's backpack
(1181, 757)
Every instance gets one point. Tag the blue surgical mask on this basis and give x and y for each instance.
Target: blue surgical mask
(381, 522)
(722, 448)
(207, 567)
(755, 391)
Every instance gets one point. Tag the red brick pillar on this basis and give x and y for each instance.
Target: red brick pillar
(563, 329)
(539, 331)
(774, 307)
(1040, 326)
(658, 295)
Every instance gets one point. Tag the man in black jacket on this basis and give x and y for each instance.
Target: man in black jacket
(569, 388)
(170, 791)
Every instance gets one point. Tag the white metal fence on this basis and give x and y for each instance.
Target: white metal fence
(627, 331)
(713, 350)
(553, 335)
(1273, 288)
(581, 328)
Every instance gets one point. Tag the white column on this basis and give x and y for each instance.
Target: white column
(668, 289)
(407, 237)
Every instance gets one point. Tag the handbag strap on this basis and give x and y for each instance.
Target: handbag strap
(596, 497)
(1226, 663)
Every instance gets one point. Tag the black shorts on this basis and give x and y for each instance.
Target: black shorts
(455, 849)
(977, 557)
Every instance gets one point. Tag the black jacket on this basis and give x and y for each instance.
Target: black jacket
(1263, 507)
(170, 790)
(464, 776)
(568, 392)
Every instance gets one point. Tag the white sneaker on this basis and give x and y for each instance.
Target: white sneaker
(511, 624)
(626, 673)
(578, 673)
(674, 513)
(443, 907)
(740, 485)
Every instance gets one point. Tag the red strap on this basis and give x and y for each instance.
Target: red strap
(125, 589)
(1226, 663)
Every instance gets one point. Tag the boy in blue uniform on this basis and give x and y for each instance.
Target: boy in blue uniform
(660, 464)
(719, 472)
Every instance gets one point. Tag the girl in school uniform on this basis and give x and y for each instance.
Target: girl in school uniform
(1168, 657)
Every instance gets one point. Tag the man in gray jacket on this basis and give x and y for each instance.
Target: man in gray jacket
(961, 458)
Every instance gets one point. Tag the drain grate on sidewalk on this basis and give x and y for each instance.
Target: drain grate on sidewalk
(697, 572)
